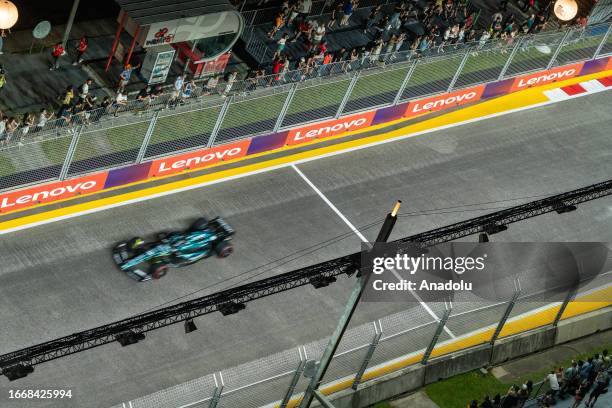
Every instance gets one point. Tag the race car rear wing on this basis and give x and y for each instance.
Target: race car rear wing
(221, 226)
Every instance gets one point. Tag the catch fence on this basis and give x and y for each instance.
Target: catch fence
(407, 338)
(218, 113)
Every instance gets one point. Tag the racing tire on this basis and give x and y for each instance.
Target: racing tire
(224, 249)
(158, 270)
(199, 224)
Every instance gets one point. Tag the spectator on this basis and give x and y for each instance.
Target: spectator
(229, 82)
(81, 48)
(67, 97)
(279, 22)
(156, 92)
(606, 359)
(2, 78)
(126, 74)
(56, 52)
(473, 404)
(601, 382)
(120, 101)
(511, 398)
(280, 45)
(369, 22)
(293, 12)
(28, 122)
(580, 394)
(317, 34)
(11, 126)
(553, 382)
(89, 105)
(486, 403)
(304, 28)
(144, 96)
(176, 92)
(336, 11)
(84, 88)
(106, 103)
(189, 88)
(211, 85)
(347, 12)
(2, 36)
(43, 117)
(277, 64)
(3, 121)
(585, 371)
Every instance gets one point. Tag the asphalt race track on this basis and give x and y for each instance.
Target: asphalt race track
(59, 278)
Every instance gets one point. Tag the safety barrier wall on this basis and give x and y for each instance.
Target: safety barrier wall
(86, 147)
(401, 352)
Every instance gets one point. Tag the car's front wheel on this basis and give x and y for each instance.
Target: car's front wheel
(224, 249)
(158, 270)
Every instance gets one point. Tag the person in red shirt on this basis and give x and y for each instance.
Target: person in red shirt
(277, 64)
(81, 48)
(56, 52)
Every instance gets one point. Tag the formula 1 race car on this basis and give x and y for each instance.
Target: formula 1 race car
(144, 261)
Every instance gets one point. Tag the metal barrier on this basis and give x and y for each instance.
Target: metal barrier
(238, 109)
(385, 345)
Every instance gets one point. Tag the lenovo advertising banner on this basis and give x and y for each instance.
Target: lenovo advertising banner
(198, 158)
(329, 128)
(546, 77)
(445, 101)
(28, 197)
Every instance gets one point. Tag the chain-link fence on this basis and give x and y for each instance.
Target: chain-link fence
(373, 349)
(217, 113)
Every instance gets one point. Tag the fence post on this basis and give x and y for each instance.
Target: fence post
(398, 97)
(215, 131)
(463, 61)
(347, 94)
(368, 356)
(603, 41)
(70, 153)
(510, 58)
(294, 380)
(147, 138)
(504, 319)
(558, 50)
(217, 393)
(568, 298)
(437, 334)
(285, 108)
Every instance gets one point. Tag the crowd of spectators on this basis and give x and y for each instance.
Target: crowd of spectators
(416, 27)
(582, 381)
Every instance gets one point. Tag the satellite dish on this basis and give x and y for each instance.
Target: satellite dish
(41, 30)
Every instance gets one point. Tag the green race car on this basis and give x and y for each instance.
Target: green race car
(144, 261)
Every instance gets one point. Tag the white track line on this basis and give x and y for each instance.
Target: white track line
(279, 166)
(363, 239)
(330, 204)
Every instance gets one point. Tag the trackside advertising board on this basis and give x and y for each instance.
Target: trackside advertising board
(47, 193)
(329, 128)
(546, 77)
(445, 101)
(32, 196)
(198, 159)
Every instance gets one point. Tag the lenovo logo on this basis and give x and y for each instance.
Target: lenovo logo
(546, 77)
(329, 128)
(51, 192)
(441, 102)
(198, 159)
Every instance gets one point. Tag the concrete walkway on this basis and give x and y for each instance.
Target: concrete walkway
(416, 400)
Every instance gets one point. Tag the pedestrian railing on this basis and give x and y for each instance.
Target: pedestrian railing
(373, 349)
(236, 109)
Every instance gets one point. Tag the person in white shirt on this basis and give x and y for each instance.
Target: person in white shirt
(553, 381)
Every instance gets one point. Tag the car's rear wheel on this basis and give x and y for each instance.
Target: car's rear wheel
(199, 224)
(224, 249)
(158, 270)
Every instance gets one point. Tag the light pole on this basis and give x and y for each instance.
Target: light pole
(8, 17)
(75, 6)
(312, 390)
